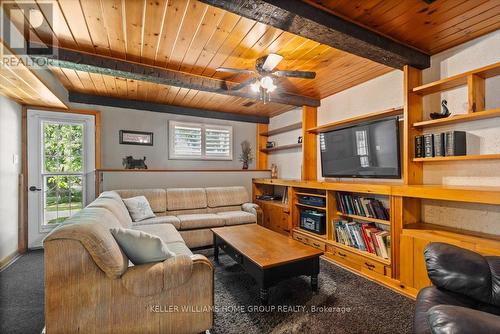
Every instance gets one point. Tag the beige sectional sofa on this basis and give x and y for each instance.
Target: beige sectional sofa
(91, 286)
(194, 211)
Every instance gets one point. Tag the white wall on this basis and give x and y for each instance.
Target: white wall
(10, 168)
(387, 92)
(115, 119)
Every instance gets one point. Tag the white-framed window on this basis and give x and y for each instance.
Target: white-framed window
(199, 141)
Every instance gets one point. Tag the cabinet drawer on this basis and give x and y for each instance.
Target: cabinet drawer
(356, 261)
(309, 241)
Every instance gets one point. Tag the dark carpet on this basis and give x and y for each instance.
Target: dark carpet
(346, 303)
(21, 295)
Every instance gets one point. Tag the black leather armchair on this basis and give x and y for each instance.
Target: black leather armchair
(465, 296)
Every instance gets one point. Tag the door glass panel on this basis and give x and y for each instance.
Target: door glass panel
(62, 171)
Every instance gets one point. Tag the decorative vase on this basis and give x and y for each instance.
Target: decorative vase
(245, 165)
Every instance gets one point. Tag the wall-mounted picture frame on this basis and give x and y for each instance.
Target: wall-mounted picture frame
(129, 137)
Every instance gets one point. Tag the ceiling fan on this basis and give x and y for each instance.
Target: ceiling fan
(261, 79)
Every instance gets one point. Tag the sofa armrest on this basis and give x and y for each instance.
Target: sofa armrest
(153, 278)
(254, 209)
(459, 270)
(455, 319)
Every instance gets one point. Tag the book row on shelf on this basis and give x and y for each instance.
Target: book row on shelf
(361, 206)
(451, 143)
(367, 237)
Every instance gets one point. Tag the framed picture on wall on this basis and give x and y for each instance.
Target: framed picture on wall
(129, 137)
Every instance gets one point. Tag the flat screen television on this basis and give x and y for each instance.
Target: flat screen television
(366, 150)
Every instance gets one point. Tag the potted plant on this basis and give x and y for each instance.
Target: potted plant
(246, 154)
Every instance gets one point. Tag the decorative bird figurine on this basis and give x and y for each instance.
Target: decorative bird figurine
(445, 112)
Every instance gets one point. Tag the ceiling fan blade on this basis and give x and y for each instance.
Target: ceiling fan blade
(244, 84)
(272, 60)
(233, 70)
(296, 74)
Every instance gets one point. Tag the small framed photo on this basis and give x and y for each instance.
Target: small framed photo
(129, 137)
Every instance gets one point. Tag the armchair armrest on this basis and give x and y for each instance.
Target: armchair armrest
(460, 320)
(254, 209)
(153, 278)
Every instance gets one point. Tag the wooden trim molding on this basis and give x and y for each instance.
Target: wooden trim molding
(180, 170)
(261, 145)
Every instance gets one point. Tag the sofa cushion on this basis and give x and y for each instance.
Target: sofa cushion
(139, 208)
(141, 247)
(165, 232)
(198, 238)
(186, 198)
(114, 204)
(160, 220)
(179, 248)
(157, 198)
(90, 226)
(224, 208)
(237, 217)
(204, 220)
(226, 196)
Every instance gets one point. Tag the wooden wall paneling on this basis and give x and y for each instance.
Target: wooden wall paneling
(261, 162)
(476, 90)
(413, 112)
(309, 146)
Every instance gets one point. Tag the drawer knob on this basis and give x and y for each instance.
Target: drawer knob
(317, 245)
(342, 254)
(370, 265)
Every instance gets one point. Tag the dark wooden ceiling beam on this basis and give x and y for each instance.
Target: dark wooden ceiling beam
(305, 20)
(108, 101)
(81, 61)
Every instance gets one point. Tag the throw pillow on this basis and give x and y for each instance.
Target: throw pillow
(139, 208)
(141, 247)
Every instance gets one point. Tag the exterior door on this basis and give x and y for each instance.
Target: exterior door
(61, 162)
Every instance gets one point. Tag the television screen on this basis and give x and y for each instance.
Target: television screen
(367, 150)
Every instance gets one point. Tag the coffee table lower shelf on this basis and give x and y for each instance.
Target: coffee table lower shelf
(266, 277)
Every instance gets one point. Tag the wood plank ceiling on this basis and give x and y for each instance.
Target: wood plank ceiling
(189, 36)
(431, 28)
(19, 83)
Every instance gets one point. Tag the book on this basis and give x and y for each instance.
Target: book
(419, 146)
(455, 143)
(428, 145)
(439, 144)
(361, 206)
(367, 237)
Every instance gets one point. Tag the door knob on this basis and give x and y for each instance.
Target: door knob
(33, 188)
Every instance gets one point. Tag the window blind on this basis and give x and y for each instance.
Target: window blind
(187, 141)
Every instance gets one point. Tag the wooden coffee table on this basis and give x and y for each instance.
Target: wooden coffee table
(267, 256)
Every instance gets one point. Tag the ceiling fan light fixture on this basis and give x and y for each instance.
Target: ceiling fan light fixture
(256, 86)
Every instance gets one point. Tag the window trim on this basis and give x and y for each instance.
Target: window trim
(203, 126)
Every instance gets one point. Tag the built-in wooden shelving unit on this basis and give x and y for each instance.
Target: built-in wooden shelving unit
(461, 118)
(310, 206)
(358, 119)
(284, 129)
(457, 80)
(280, 148)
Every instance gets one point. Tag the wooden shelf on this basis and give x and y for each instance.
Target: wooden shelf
(362, 253)
(274, 202)
(322, 208)
(484, 195)
(373, 220)
(439, 228)
(179, 170)
(459, 118)
(310, 194)
(310, 234)
(457, 80)
(459, 158)
(355, 187)
(358, 119)
(281, 148)
(284, 129)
